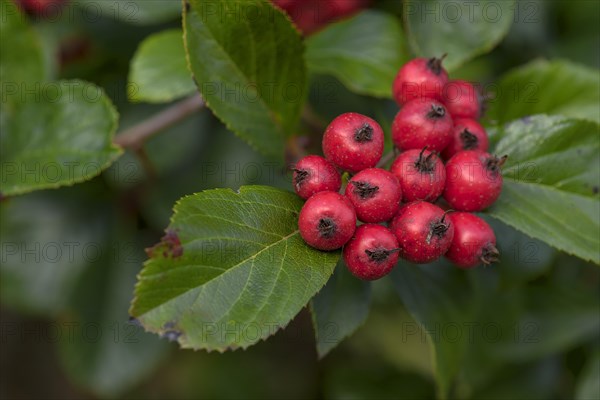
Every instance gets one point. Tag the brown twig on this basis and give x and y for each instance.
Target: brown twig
(134, 137)
(146, 163)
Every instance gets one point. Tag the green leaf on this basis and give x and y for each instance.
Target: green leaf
(158, 71)
(137, 12)
(393, 335)
(536, 380)
(44, 250)
(63, 138)
(107, 354)
(554, 318)
(339, 309)
(21, 58)
(476, 327)
(588, 384)
(524, 323)
(550, 190)
(462, 30)
(549, 87)
(364, 52)
(231, 270)
(248, 62)
(437, 297)
(522, 259)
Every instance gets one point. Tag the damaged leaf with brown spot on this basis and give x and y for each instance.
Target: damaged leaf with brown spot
(231, 270)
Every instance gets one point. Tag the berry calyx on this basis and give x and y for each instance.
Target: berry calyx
(474, 241)
(375, 193)
(435, 65)
(327, 227)
(353, 142)
(314, 174)
(420, 77)
(437, 111)
(422, 123)
(425, 162)
(364, 190)
(327, 221)
(468, 139)
(467, 134)
(421, 174)
(423, 231)
(439, 228)
(463, 100)
(473, 180)
(364, 134)
(372, 252)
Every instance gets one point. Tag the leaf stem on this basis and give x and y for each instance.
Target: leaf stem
(134, 137)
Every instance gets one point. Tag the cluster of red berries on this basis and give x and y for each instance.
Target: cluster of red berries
(430, 126)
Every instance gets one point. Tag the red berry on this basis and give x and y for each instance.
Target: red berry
(463, 100)
(314, 174)
(423, 231)
(284, 4)
(308, 16)
(342, 8)
(473, 180)
(467, 134)
(474, 241)
(353, 142)
(421, 77)
(422, 123)
(421, 173)
(375, 194)
(372, 252)
(311, 15)
(44, 8)
(327, 221)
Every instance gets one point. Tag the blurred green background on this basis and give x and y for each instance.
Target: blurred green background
(66, 287)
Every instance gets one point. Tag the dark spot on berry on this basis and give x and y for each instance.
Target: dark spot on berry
(425, 164)
(364, 133)
(169, 246)
(469, 141)
(327, 228)
(489, 254)
(435, 64)
(380, 255)
(364, 189)
(437, 111)
(494, 164)
(438, 228)
(300, 177)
